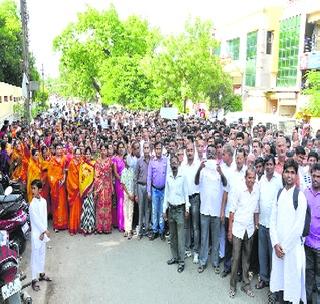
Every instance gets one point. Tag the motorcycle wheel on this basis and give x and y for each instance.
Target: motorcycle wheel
(14, 299)
(19, 239)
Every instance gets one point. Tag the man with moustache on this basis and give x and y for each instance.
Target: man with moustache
(176, 199)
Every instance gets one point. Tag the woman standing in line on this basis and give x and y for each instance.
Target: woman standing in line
(73, 190)
(86, 182)
(119, 165)
(34, 171)
(103, 189)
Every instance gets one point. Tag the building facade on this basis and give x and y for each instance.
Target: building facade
(9, 96)
(268, 52)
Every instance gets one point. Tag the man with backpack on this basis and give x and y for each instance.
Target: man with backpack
(312, 242)
(287, 227)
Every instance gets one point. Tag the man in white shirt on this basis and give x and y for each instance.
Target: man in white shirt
(211, 181)
(286, 227)
(177, 200)
(228, 169)
(193, 222)
(243, 219)
(270, 184)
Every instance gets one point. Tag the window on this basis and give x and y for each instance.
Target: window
(5, 98)
(251, 59)
(269, 42)
(0, 98)
(233, 48)
(288, 52)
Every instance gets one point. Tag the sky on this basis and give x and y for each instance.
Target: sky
(48, 18)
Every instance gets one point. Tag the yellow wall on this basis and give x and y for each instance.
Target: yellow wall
(10, 93)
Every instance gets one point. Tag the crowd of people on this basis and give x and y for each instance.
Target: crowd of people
(240, 194)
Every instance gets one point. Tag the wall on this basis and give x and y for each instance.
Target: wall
(9, 95)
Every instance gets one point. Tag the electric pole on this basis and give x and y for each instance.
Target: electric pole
(42, 74)
(25, 50)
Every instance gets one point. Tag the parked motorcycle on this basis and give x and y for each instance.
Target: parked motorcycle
(10, 277)
(5, 182)
(14, 218)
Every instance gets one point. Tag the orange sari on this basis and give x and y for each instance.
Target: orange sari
(74, 196)
(45, 192)
(16, 159)
(58, 193)
(34, 172)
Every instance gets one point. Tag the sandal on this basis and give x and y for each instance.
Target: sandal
(35, 286)
(180, 268)
(201, 269)
(232, 293)
(248, 292)
(43, 277)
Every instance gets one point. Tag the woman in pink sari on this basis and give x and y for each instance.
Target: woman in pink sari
(103, 189)
(119, 165)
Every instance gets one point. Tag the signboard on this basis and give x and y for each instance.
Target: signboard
(310, 61)
(169, 113)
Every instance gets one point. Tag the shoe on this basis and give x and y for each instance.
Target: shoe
(188, 254)
(262, 284)
(180, 268)
(196, 258)
(153, 236)
(224, 273)
(172, 261)
(139, 237)
(162, 236)
(201, 268)
(216, 269)
(130, 236)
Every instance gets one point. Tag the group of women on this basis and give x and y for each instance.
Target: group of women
(83, 191)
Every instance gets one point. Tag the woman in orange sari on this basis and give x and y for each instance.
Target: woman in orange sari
(34, 171)
(58, 193)
(45, 161)
(74, 193)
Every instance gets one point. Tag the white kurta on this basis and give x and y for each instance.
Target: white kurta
(286, 226)
(39, 224)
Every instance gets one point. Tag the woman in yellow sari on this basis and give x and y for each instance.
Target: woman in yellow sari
(86, 179)
(34, 171)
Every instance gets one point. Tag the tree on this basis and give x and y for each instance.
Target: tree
(129, 63)
(313, 90)
(101, 55)
(11, 45)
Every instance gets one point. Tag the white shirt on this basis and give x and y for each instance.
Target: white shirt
(38, 220)
(190, 173)
(244, 205)
(176, 191)
(211, 192)
(268, 196)
(228, 172)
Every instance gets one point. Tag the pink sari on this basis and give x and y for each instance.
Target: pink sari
(120, 165)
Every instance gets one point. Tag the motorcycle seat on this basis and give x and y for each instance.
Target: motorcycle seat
(10, 198)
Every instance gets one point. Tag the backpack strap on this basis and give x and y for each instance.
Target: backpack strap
(279, 192)
(295, 197)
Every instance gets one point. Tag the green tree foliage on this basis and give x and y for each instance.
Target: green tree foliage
(11, 45)
(129, 63)
(313, 90)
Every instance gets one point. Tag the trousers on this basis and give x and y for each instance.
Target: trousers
(177, 236)
(241, 252)
(209, 225)
(265, 253)
(192, 224)
(144, 208)
(312, 273)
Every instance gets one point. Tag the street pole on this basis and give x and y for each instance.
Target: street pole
(42, 74)
(25, 51)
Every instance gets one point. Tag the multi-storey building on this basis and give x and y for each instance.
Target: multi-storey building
(268, 51)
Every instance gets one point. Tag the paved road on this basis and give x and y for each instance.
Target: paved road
(110, 269)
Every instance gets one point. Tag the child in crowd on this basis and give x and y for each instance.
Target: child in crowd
(39, 234)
